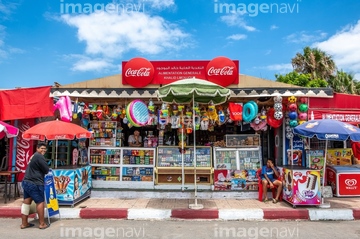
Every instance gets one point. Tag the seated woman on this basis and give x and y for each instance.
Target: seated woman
(269, 175)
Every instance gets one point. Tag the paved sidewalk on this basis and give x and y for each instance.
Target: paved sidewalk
(214, 209)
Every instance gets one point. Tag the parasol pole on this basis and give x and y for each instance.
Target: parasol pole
(196, 205)
(182, 153)
(56, 152)
(323, 204)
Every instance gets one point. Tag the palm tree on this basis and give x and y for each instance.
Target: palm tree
(315, 62)
(343, 82)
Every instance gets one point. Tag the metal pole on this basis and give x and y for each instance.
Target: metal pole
(182, 153)
(56, 153)
(324, 171)
(195, 158)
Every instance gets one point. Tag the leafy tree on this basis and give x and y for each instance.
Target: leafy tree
(315, 62)
(303, 80)
(344, 82)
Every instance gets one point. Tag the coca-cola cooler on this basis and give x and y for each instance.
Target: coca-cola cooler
(344, 180)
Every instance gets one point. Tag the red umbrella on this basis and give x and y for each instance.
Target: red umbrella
(55, 130)
(8, 130)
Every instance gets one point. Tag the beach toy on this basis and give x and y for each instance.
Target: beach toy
(139, 112)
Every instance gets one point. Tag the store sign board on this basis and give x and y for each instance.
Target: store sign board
(138, 71)
(343, 116)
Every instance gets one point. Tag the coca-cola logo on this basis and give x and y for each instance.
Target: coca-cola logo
(222, 71)
(225, 71)
(350, 182)
(144, 71)
(138, 72)
(23, 149)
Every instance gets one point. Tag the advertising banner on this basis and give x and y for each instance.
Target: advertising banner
(52, 203)
(139, 72)
(302, 187)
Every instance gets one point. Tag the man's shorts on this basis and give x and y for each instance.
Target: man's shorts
(36, 192)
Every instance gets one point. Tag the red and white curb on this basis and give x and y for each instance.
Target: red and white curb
(206, 214)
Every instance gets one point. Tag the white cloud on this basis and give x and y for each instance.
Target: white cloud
(237, 37)
(304, 37)
(280, 68)
(273, 27)
(160, 4)
(85, 63)
(237, 19)
(344, 47)
(112, 35)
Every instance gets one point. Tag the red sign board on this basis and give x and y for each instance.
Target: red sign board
(349, 116)
(220, 70)
(24, 148)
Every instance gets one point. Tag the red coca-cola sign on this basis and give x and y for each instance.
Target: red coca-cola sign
(24, 148)
(222, 71)
(138, 72)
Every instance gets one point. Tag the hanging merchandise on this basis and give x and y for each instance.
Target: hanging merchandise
(235, 111)
(212, 114)
(263, 114)
(271, 119)
(64, 107)
(250, 111)
(303, 109)
(277, 99)
(137, 113)
(151, 107)
(221, 115)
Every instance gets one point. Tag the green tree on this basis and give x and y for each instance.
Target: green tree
(344, 82)
(315, 62)
(303, 80)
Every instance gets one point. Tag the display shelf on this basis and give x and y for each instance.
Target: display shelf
(250, 158)
(225, 158)
(134, 156)
(105, 173)
(104, 156)
(137, 174)
(104, 133)
(123, 165)
(242, 140)
(169, 165)
(235, 168)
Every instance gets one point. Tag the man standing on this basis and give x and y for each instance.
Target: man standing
(33, 186)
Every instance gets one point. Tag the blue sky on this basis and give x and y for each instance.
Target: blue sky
(67, 41)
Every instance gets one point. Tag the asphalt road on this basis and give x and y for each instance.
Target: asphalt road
(80, 228)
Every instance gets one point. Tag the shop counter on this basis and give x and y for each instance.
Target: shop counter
(72, 184)
(344, 180)
(301, 186)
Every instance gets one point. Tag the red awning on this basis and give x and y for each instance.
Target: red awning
(342, 107)
(26, 103)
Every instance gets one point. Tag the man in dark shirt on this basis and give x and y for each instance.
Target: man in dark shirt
(33, 185)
